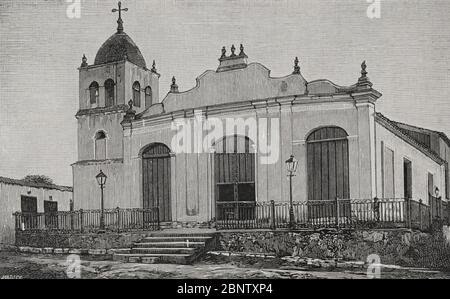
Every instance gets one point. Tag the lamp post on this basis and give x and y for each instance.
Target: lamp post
(291, 164)
(101, 180)
(438, 201)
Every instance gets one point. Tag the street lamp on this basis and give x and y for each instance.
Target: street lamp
(436, 192)
(101, 180)
(291, 164)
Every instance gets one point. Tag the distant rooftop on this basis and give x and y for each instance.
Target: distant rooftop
(396, 129)
(10, 181)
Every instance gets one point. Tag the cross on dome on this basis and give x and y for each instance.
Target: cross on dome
(119, 21)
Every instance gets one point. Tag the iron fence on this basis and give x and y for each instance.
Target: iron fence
(89, 221)
(337, 213)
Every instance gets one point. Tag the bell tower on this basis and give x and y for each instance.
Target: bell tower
(119, 74)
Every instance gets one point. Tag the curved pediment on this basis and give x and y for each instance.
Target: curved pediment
(245, 84)
(326, 87)
(249, 83)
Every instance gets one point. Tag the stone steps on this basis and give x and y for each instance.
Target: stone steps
(159, 250)
(174, 247)
(175, 239)
(152, 258)
(169, 244)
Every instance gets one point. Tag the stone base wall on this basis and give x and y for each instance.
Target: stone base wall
(79, 241)
(400, 247)
(191, 224)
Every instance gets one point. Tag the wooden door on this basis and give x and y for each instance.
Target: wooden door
(328, 173)
(407, 179)
(235, 179)
(50, 211)
(156, 180)
(28, 206)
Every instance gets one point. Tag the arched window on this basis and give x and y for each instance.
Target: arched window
(93, 93)
(137, 94)
(109, 93)
(148, 97)
(327, 164)
(100, 146)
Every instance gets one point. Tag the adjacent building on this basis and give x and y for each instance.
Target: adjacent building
(21, 196)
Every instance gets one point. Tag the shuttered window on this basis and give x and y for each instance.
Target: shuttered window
(388, 173)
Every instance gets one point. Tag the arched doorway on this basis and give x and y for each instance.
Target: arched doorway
(156, 180)
(328, 172)
(234, 172)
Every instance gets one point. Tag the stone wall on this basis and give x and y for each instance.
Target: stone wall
(400, 247)
(79, 241)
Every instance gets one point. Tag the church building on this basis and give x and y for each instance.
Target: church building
(225, 141)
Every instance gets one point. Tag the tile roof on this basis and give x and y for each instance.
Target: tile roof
(10, 181)
(394, 128)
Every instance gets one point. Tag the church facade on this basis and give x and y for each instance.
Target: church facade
(226, 140)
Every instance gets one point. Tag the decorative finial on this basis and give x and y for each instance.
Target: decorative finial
(242, 51)
(174, 86)
(119, 21)
(363, 69)
(233, 49)
(154, 67)
(296, 66)
(363, 81)
(130, 114)
(84, 61)
(224, 52)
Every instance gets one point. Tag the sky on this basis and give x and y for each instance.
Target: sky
(407, 51)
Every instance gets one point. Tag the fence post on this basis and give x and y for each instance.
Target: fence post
(16, 220)
(158, 219)
(448, 212)
(71, 213)
(118, 219)
(420, 214)
(337, 212)
(408, 210)
(376, 209)
(272, 208)
(81, 221)
(431, 205)
(431, 210)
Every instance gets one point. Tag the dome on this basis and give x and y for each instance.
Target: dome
(117, 47)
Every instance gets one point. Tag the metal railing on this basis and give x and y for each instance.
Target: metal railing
(337, 213)
(88, 221)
